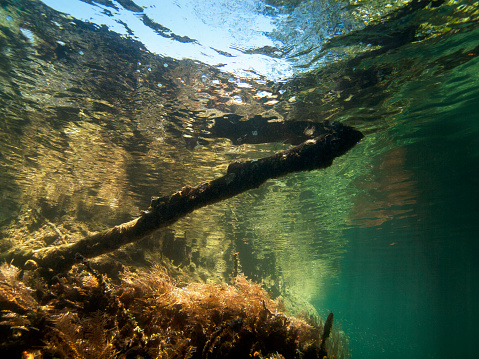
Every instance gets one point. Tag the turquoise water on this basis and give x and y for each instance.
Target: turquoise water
(408, 287)
(114, 102)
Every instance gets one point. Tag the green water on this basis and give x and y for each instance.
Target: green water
(408, 287)
(94, 122)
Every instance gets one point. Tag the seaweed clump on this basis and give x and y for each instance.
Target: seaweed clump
(82, 314)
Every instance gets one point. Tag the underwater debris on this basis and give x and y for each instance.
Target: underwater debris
(148, 315)
(327, 330)
(334, 141)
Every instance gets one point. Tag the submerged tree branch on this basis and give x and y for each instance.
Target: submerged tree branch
(240, 177)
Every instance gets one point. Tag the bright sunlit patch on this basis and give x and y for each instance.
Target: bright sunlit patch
(28, 34)
(211, 31)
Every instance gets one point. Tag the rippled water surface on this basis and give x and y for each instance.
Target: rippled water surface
(104, 104)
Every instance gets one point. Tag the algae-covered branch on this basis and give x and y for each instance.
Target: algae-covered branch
(335, 140)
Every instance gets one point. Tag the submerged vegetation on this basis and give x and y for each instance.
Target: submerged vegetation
(84, 314)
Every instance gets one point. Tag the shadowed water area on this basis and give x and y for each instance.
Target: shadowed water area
(97, 117)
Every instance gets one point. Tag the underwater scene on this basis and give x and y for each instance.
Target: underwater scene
(239, 179)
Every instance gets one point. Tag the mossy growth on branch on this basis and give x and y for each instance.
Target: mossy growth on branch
(83, 314)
